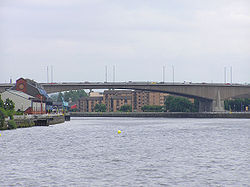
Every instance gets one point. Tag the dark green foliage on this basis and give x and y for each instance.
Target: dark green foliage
(237, 105)
(1, 103)
(6, 109)
(126, 108)
(153, 108)
(100, 108)
(9, 104)
(73, 95)
(12, 124)
(3, 114)
(180, 104)
(18, 112)
(10, 113)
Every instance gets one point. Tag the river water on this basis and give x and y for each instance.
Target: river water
(147, 152)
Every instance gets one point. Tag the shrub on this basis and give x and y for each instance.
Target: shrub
(126, 108)
(12, 124)
(3, 114)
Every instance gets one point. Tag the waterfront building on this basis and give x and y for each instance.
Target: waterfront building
(27, 92)
(115, 99)
(24, 102)
(87, 104)
(142, 98)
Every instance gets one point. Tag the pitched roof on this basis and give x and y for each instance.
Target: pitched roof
(20, 94)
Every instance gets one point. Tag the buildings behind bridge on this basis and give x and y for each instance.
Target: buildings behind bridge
(114, 99)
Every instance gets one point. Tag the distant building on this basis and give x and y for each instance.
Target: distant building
(114, 99)
(142, 98)
(87, 104)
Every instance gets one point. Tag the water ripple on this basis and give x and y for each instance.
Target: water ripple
(149, 152)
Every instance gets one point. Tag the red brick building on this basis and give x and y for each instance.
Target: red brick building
(41, 100)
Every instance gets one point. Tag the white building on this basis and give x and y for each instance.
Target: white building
(23, 101)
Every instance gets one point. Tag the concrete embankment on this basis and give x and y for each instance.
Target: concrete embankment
(163, 114)
(36, 120)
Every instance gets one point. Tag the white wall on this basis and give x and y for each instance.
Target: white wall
(37, 107)
(20, 102)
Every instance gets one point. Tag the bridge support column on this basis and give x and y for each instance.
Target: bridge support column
(218, 104)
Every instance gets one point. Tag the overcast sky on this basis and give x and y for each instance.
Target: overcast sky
(80, 37)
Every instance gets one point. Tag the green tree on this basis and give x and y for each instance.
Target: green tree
(126, 108)
(1, 103)
(72, 95)
(100, 108)
(9, 105)
(6, 109)
(3, 114)
(153, 108)
(179, 104)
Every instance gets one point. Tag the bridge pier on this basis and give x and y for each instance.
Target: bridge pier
(216, 105)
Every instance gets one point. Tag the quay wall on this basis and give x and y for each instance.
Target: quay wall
(35, 120)
(245, 115)
(56, 120)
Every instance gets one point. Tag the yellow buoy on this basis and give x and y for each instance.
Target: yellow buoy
(0, 135)
(119, 132)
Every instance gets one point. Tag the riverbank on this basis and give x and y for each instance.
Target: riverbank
(164, 114)
(35, 120)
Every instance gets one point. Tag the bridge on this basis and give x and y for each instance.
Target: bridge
(210, 96)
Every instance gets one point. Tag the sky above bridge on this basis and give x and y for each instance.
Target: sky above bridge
(78, 38)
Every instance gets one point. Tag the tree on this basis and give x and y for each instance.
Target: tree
(100, 108)
(126, 108)
(180, 104)
(9, 105)
(153, 108)
(72, 95)
(2, 116)
(1, 103)
(6, 109)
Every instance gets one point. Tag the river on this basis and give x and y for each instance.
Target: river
(147, 152)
